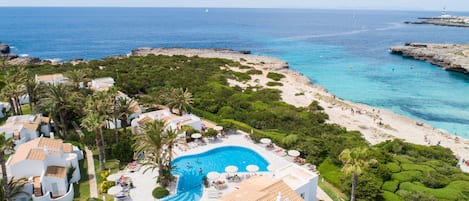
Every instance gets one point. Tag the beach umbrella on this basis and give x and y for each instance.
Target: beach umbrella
(213, 175)
(114, 190)
(293, 153)
(252, 168)
(113, 177)
(265, 141)
(218, 128)
(196, 135)
(231, 169)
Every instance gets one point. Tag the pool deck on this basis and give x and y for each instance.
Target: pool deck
(145, 182)
(274, 158)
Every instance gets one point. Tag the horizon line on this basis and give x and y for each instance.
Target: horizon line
(212, 7)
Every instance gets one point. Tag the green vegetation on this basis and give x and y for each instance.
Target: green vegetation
(254, 72)
(160, 192)
(82, 189)
(403, 171)
(275, 76)
(272, 84)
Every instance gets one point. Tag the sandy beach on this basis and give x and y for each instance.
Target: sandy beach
(376, 124)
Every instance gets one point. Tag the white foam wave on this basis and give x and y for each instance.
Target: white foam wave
(305, 37)
(54, 60)
(23, 55)
(395, 25)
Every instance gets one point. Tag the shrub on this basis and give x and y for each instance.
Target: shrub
(104, 174)
(404, 176)
(393, 167)
(160, 192)
(434, 180)
(211, 132)
(94, 199)
(390, 186)
(254, 72)
(454, 191)
(423, 168)
(272, 84)
(105, 185)
(460, 176)
(389, 196)
(275, 76)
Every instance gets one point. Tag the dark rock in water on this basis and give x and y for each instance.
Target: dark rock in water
(245, 51)
(4, 48)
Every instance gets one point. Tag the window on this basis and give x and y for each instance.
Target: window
(55, 189)
(302, 195)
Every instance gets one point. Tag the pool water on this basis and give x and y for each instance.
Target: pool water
(188, 168)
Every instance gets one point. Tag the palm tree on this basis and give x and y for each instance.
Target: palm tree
(180, 99)
(5, 144)
(93, 123)
(124, 110)
(57, 97)
(169, 139)
(113, 93)
(14, 188)
(32, 89)
(355, 161)
(151, 143)
(8, 92)
(99, 104)
(77, 76)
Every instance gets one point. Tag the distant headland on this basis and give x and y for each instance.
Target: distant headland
(451, 57)
(443, 20)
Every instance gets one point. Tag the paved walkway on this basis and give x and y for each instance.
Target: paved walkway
(91, 173)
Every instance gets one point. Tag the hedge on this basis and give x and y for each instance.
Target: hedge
(256, 134)
(404, 176)
(393, 167)
(423, 168)
(331, 172)
(454, 191)
(390, 186)
(391, 196)
(160, 192)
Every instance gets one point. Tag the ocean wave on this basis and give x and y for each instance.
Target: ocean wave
(54, 60)
(305, 37)
(394, 25)
(23, 55)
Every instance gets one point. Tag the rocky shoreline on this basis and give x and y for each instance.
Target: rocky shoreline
(451, 57)
(443, 20)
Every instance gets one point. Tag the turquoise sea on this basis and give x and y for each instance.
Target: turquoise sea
(346, 51)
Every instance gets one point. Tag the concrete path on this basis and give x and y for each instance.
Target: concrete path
(91, 173)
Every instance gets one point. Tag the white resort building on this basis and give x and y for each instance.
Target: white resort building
(46, 164)
(51, 79)
(23, 128)
(101, 84)
(171, 121)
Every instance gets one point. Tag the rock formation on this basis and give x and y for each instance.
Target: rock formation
(452, 57)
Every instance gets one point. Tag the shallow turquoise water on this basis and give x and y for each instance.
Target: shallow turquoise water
(188, 167)
(346, 51)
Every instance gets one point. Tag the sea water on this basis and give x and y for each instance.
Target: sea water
(345, 51)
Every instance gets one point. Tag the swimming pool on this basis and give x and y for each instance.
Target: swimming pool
(188, 167)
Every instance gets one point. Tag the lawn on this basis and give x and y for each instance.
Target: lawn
(82, 189)
(331, 191)
(112, 165)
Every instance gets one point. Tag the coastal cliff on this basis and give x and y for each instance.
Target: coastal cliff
(451, 57)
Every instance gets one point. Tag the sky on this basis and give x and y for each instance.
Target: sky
(451, 5)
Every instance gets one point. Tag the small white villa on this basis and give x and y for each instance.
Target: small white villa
(4, 108)
(101, 84)
(57, 78)
(46, 164)
(171, 121)
(23, 128)
(290, 182)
